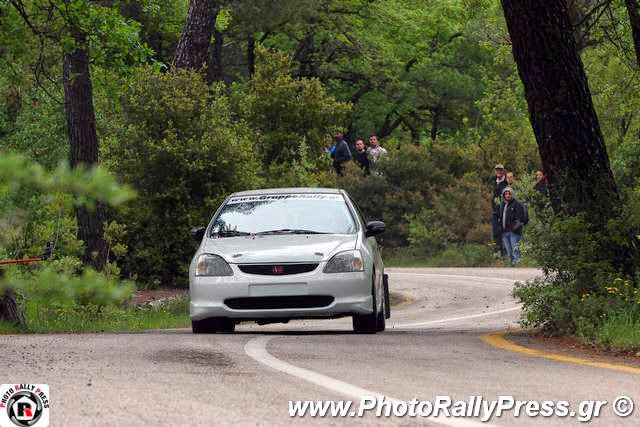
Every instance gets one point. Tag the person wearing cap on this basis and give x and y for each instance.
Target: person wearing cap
(512, 219)
(499, 184)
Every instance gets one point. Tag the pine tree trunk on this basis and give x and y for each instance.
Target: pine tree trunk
(435, 122)
(81, 128)
(561, 111)
(251, 55)
(215, 67)
(193, 45)
(633, 8)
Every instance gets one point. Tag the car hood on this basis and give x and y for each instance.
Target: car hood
(280, 248)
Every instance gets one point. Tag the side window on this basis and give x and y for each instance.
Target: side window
(358, 210)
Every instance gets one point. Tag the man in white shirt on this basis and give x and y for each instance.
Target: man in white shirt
(375, 151)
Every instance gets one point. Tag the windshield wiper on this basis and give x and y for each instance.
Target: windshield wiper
(291, 231)
(232, 233)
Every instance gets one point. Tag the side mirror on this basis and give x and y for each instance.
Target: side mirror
(198, 233)
(374, 228)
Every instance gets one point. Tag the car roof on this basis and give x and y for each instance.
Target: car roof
(288, 191)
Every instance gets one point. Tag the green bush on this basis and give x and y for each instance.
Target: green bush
(292, 120)
(181, 148)
(427, 201)
(590, 282)
(285, 111)
(52, 288)
(25, 230)
(609, 316)
(556, 305)
(547, 303)
(300, 172)
(38, 206)
(38, 128)
(424, 234)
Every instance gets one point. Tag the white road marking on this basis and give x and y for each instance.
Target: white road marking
(455, 319)
(256, 348)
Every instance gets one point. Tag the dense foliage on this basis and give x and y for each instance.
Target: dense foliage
(28, 192)
(429, 199)
(175, 141)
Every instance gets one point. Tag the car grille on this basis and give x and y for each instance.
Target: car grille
(277, 269)
(279, 302)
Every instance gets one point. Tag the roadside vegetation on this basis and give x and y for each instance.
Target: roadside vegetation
(469, 255)
(153, 129)
(585, 291)
(91, 318)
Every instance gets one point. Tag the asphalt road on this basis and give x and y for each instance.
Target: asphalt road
(432, 347)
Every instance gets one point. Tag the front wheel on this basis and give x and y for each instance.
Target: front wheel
(365, 323)
(381, 323)
(373, 322)
(387, 300)
(213, 325)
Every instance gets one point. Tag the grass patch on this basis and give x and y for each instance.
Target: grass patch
(620, 331)
(455, 256)
(8, 329)
(470, 255)
(76, 319)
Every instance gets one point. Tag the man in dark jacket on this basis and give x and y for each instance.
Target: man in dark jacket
(361, 156)
(513, 218)
(341, 154)
(541, 183)
(499, 183)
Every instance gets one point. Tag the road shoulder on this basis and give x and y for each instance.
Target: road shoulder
(531, 344)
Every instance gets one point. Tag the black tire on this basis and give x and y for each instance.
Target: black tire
(369, 323)
(213, 325)
(381, 323)
(387, 306)
(365, 323)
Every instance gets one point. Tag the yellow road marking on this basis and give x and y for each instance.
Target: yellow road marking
(498, 340)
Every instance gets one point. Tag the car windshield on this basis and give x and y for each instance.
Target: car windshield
(284, 214)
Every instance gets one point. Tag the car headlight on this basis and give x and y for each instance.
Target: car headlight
(345, 262)
(212, 265)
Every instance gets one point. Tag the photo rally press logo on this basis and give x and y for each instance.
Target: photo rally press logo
(24, 405)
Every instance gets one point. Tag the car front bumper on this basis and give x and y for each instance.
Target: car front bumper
(351, 293)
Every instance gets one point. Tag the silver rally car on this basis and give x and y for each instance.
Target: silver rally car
(279, 254)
